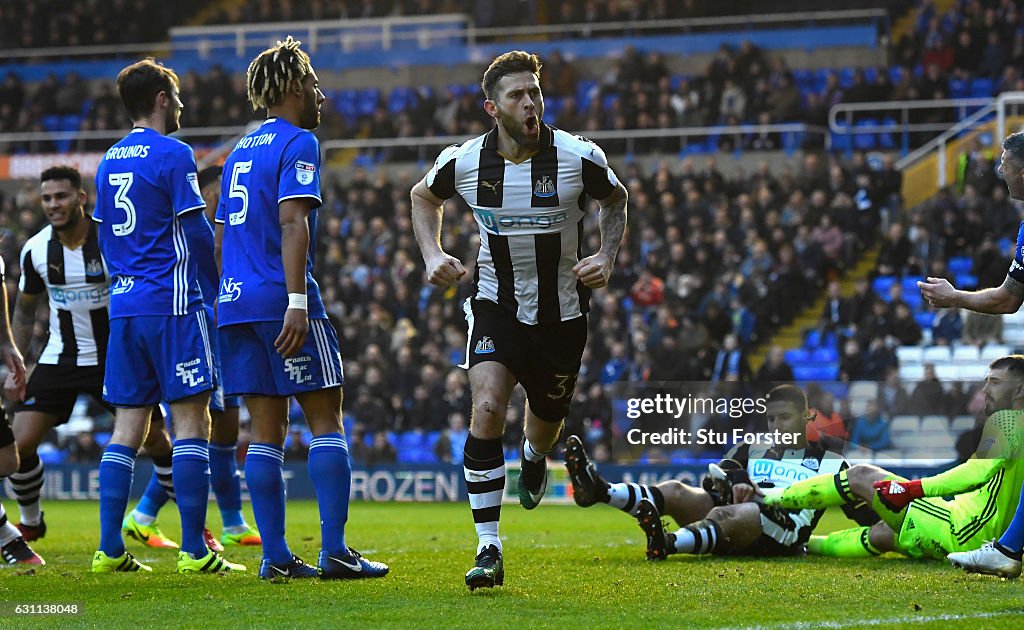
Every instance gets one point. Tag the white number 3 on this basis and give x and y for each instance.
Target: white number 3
(123, 181)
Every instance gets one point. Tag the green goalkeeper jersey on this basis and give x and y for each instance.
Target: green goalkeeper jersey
(987, 487)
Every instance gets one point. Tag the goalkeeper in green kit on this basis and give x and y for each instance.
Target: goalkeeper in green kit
(957, 510)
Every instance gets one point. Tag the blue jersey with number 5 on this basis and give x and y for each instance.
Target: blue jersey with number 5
(144, 184)
(277, 161)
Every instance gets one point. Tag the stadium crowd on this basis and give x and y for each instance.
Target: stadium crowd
(711, 265)
(943, 57)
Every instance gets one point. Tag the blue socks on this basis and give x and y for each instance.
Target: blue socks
(116, 469)
(191, 470)
(1013, 537)
(331, 471)
(264, 474)
(226, 483)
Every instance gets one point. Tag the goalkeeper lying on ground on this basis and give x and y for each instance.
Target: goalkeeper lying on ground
(916, 519)
(726, 516)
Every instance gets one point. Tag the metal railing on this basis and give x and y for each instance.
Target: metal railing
(387, 35)
(850, 112)
(937, 145)
(630, 136)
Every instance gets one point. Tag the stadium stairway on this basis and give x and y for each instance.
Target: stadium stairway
(792, 336)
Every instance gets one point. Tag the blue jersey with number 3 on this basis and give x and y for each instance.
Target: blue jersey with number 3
(277, 161)
(144, 184)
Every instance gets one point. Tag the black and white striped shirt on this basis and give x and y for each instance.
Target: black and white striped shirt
(778, 467)
(530, 217)
(78, 286)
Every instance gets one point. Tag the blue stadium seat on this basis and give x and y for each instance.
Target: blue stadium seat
(797, 356)
(584, 94)
(825, 355)
(816, 372)
(909, 284)
(924, 318)
(895, 74)
(841, 140)
(981, 87)
(804, 78)
(102, 438)
(865, 140)
(51, 123)
(51, 457)
(367, 101)
(960, 264)
(958, 88)
(886, 140)
(882, 284)
(966, 281)
(846, 77)
(870, 74)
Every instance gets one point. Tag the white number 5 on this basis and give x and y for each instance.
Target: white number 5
(123, 181)
(239, 191)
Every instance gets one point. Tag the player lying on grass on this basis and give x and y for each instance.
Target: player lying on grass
(727, 515)
(916, 520)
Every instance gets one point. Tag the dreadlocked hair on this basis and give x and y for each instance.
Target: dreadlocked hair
(274, 70)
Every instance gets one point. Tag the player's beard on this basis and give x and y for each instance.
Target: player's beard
(311, 114)
(74, 217)
(516, 129)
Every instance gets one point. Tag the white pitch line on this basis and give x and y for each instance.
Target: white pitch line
(807, 625)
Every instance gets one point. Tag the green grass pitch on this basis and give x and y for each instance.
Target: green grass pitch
(565, 568)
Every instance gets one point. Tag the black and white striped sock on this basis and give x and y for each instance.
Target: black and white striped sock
(627, 496)
(26, 484)
(700, 537)
(162, 468)
(484, 467)
(8, 532)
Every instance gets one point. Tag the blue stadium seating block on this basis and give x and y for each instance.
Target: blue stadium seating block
(882, 284)
(982, 87)
(797, 356)
(825, 355)
(924, 318)
(966, 281)
(960, 264)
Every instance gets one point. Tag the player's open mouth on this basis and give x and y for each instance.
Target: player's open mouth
(532, 124)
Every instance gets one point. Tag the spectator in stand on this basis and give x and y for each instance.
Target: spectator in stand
(895, 252)
(947, 327)
(450, 446)
(648, 290)
(981, 329)
(730, 363)
(929, 397)
(893, 398)
(903, 326)
(871, 430)
(878, 359)
(837, 313)
(827, 427)
(84, 449)
(775, 370)
(851, 363)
